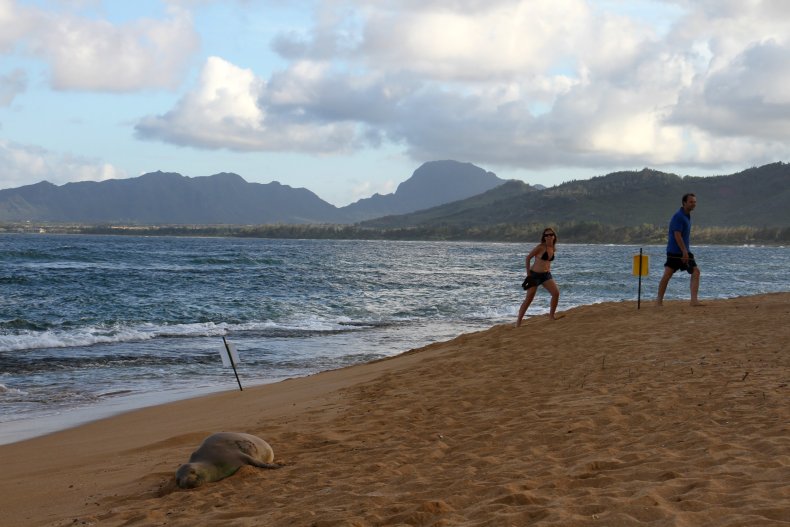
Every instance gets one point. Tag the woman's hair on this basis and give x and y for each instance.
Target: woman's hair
(543, 235)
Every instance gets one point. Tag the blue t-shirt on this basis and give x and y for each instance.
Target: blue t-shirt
(679, 222)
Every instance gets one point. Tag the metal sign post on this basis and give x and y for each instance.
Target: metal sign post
(640, 269)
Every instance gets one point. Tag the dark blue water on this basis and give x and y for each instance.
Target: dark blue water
(89, 321)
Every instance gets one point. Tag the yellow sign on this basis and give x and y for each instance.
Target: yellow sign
(637, 259)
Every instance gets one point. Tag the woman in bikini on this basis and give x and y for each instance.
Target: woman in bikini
(540, 273)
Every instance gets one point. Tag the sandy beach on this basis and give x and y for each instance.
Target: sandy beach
(609, 416)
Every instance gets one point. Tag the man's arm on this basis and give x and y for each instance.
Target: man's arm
(683, 249)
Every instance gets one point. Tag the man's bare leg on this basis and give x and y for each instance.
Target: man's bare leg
(662, 285)
(694, 286)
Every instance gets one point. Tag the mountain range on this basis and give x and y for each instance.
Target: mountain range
(439, 193)
(758, 197)
(226, 198)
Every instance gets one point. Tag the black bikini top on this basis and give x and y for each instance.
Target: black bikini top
(546, 257)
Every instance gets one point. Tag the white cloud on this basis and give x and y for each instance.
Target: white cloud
(15, 23)
(21, 164)
(78, 4)
(529, 84)
(11, 85)
(194, 3)
(224, 112)
(505, 41)
(365, 189)
(748, 98)
(91, 53)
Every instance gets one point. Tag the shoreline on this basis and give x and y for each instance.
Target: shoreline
(610, 414)
(23, 429)
(713, 235)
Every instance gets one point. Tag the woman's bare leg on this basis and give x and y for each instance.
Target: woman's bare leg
(525, 304)
(551, 287)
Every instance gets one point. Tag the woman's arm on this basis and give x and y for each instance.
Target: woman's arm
(533, 254)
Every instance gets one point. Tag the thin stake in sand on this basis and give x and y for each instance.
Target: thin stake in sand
(232, 362)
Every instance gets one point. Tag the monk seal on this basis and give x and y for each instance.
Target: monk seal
(221, 455)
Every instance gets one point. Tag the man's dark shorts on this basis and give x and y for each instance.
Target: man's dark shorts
(675, 262)
(535, 279)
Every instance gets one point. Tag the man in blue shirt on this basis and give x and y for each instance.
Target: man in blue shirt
(678, 254)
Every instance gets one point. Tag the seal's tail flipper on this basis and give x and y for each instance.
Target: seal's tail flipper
(261, 464)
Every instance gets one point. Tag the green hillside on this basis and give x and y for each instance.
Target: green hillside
(757, 197)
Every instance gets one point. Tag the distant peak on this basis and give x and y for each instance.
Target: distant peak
(225, 177)
(160, 174)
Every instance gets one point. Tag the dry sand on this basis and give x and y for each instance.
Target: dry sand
(609, 416)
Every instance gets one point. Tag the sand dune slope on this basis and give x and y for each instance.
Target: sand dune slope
(673, 416)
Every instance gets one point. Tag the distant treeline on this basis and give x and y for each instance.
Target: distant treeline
(572, 232)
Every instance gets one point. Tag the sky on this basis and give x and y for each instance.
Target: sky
(348, 97)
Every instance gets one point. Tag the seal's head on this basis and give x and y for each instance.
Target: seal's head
(188, 477)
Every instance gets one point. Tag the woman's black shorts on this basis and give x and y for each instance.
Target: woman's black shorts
(535, 279)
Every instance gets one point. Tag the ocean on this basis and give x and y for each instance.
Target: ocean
(95, 325)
